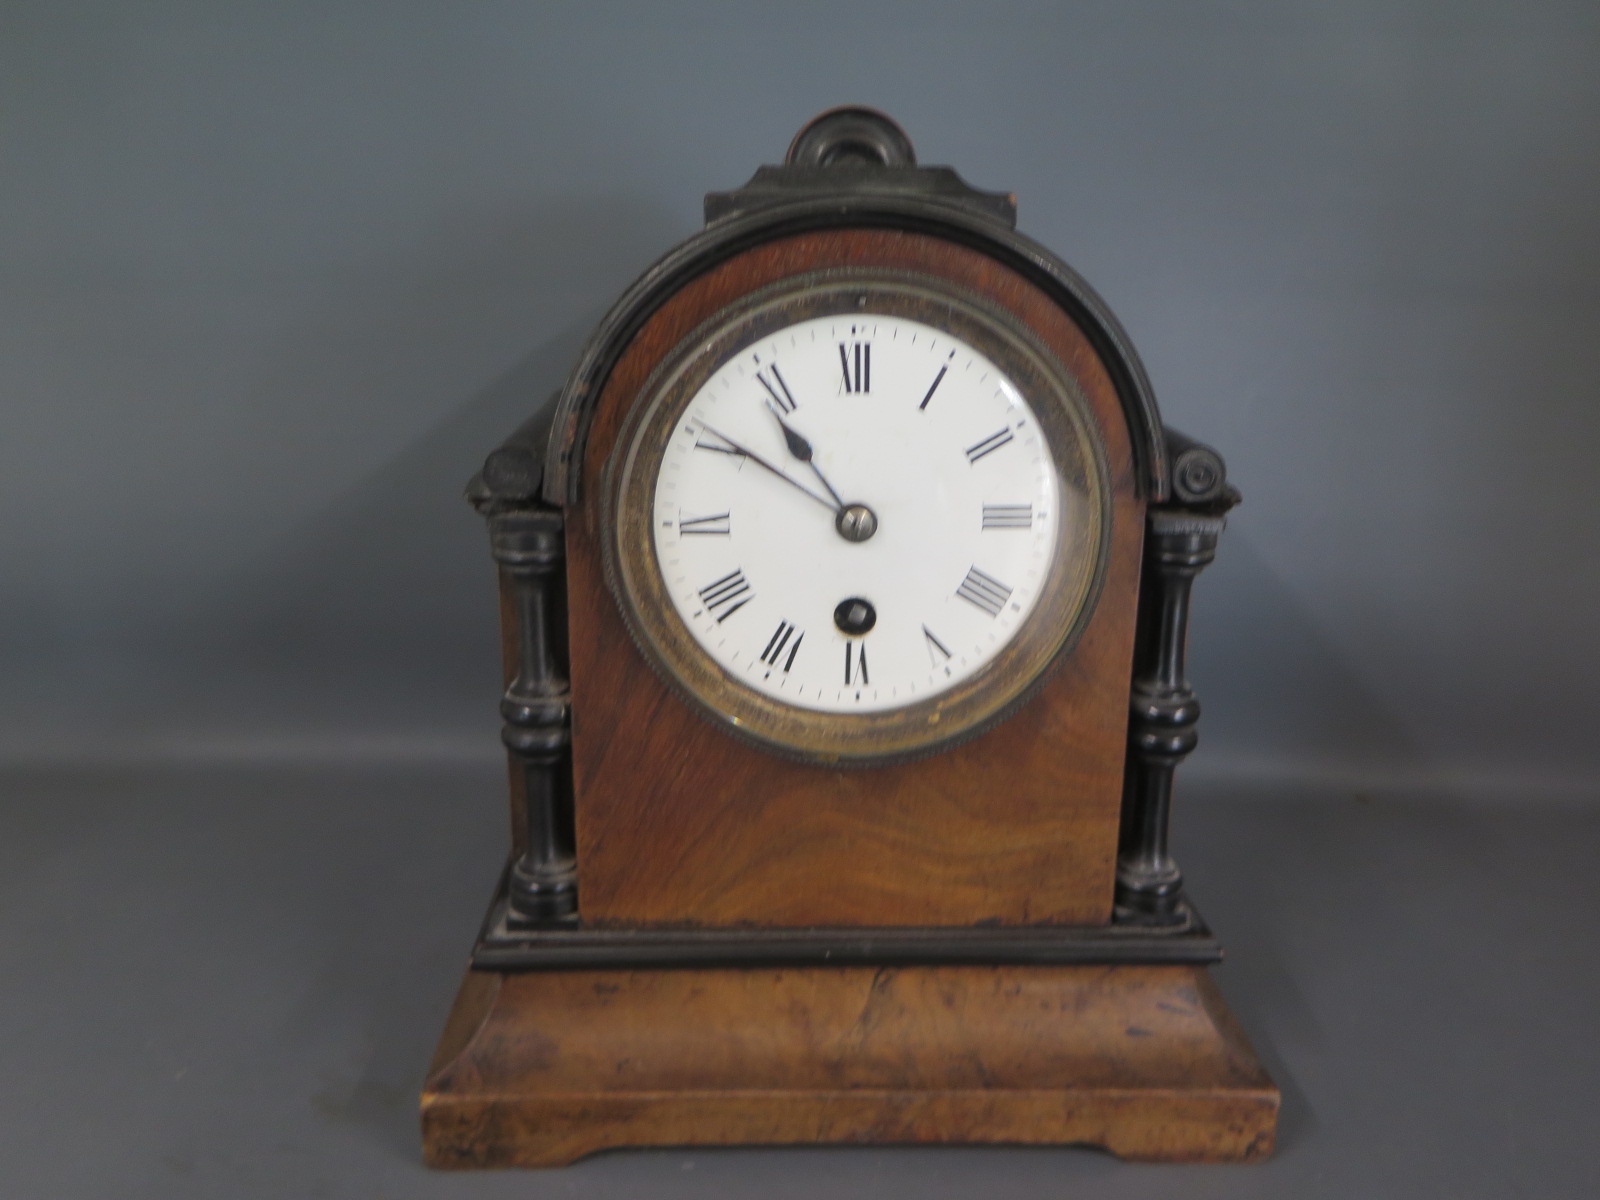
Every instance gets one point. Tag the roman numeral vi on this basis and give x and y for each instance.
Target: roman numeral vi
(859, 676)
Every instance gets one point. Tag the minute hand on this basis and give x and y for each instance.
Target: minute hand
(778, 471)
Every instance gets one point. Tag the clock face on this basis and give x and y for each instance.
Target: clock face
(857, 516)
(856, 513)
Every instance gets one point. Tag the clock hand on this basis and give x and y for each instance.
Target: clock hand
(801, 449)
(761, 462)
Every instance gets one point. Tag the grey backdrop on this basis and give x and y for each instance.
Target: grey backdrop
(275, 276)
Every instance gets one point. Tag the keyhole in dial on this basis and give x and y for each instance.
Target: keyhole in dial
(855, 616)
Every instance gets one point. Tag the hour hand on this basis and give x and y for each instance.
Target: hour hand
(798, 446)
(801, 449)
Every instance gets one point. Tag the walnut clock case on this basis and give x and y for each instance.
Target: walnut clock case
(844, 592)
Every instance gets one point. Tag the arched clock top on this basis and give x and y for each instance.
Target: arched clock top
(854, 168)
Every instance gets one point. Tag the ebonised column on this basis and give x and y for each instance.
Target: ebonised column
(528, 546)
(1164, 712)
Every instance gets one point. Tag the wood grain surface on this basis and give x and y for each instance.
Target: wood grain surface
(538, 1069)
(678, 823)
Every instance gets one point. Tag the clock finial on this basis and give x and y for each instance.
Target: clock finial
(852, 135)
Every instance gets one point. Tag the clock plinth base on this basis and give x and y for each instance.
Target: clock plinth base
(539, 1068)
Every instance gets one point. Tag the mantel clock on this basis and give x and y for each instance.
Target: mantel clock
(844, 591)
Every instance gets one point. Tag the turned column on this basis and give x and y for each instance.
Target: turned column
(528, 546)
(1163, 712)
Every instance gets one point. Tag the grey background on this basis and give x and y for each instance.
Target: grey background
(273, 277)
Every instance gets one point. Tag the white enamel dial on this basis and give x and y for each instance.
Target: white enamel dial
(951, 501)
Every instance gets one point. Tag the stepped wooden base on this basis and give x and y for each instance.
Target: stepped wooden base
(540, 1068)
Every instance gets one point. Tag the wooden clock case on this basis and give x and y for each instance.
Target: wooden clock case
(698, 941)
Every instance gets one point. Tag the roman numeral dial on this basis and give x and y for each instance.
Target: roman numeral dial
(855, 359)
(726, 596)
(937, 380)
(855, 664)
(984, 592)
(1008, 516)
(984, 447)
(772, 380)
(783, 646)
(853, 513)
(715, 525)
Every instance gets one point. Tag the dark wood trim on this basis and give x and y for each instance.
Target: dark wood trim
(529, 548)
(861, 210)
(504, 947)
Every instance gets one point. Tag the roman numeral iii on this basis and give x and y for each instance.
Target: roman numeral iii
(769, 378)
(1008, 516)
(726, 596)
(856, 362)
(780, 640)
(988, 446)
(984, 591)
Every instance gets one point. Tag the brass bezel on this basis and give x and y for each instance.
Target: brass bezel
(1042, 641)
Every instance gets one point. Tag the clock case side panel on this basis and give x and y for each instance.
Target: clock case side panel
(681, 825)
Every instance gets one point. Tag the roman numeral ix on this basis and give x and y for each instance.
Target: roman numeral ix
(779, 640)
(988, 446)
(1008, 516)
(776, 388)
(706, 440)
(856, 361)
(984, 591)
(726, 596)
